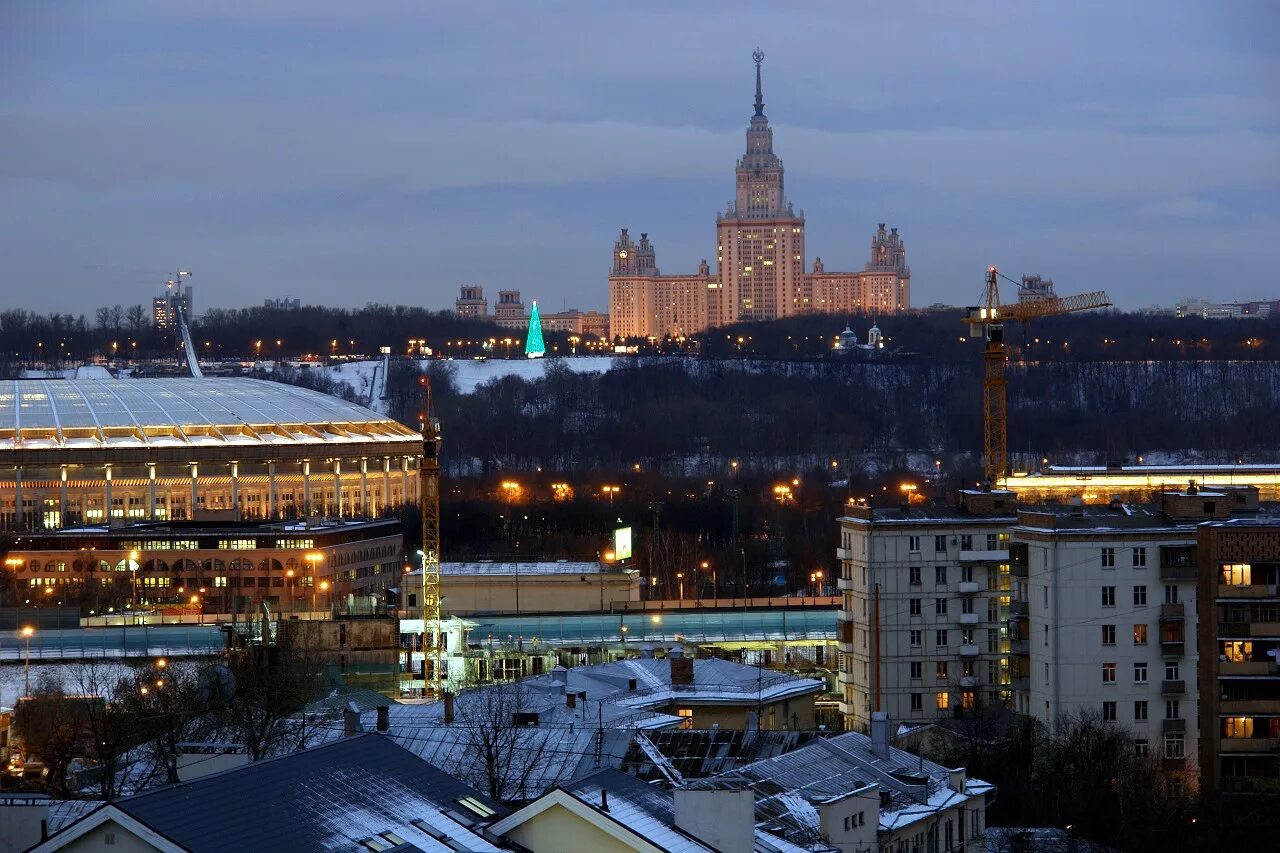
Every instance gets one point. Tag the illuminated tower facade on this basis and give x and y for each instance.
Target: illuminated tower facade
(759, 238)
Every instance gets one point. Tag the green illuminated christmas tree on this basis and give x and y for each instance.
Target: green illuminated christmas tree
(533, 345)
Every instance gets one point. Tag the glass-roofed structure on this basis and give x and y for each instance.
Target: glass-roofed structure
(91, 452)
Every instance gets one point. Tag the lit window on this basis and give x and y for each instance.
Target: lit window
(943, 700)
(1237, 574)
(686, 717)
(1235, 727)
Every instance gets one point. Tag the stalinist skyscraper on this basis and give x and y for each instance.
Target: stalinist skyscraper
(759, 238)
(760, 262)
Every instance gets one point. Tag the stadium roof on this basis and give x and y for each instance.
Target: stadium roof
(100, 413)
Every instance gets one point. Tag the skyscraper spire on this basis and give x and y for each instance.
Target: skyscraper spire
(758, 56)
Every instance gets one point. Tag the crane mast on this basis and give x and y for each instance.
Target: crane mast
(429, 471)
(987, 321)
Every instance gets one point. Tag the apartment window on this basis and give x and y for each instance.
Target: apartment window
(1109, 712)
(940, 607)
(914, 573)
(1233, 727)
(1173, 709)
(966, 574)
(1139, 558)
(966, 636)
(940, 639)
(1108, 673)
(1175, 746)
(940, 544)
(914, 606)
(1139, 635)
(993, 542)
(1171, 671)
(1045, 590)
(917, 702)
(940, 575)
(1140, 710)
(1139, 596)
(1108, 635)
(1046, 635)
(966, 605)
(943, 700)
(1141, 747)
(940, 670)
(1170, 593)
(966, 542)
(917, 670)
(1108, 558)
(1108, 596)
(913, 543)
(1237, 574)
(915, 636)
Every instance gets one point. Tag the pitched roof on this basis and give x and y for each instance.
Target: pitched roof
(327, 798)
(788, 786)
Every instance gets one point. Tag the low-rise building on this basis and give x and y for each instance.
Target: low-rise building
(357, 793)
(552, 586)
(926, 593)
(855, 792)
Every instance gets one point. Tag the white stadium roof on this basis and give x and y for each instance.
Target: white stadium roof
(96, 413)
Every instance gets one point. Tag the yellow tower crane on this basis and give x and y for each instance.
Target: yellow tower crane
(987, 320)
(429, 470)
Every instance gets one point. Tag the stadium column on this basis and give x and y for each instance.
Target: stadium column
(235, 488)
(364, 486)
(195, 487)
(306, 488)
(337, 487)
(106, 496)
(19, 515)
(386, 484)
(62, 496)
(151, 491)
(271, 489)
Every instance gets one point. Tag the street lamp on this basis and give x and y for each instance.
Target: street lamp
(324, 587)
(715, 582)
(313, 559)
(27, 631)
(680, 585)
(289, 582)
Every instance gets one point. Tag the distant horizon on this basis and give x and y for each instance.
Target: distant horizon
(344, 156)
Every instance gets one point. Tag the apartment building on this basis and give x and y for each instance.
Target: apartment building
(1104, 615)
(1239, 633)
(923, 625)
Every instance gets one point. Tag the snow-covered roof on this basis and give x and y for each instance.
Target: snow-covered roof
(546, 567)
(103, 413)
(789, 787)
(330, 798)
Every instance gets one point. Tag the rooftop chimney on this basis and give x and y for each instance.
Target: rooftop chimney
(1116, 503)
(384, 719)
(1077, 507)
(880, 734)
(571, 700)
(448, 708)
(681, 670)
(350, 720)
(560, 675)
(723, 817)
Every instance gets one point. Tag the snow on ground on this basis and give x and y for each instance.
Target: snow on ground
(471, 374)
(68, 675)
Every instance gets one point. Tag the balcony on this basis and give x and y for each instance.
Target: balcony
(844, 632)
(1172, 612)
(1248, 667)
(1172, 726)
(844, 553)
(1248, 706)
(1021, 684)
(1173, 764)
(968, 681)
(969, 650)
(1173, 688)
(973, 555)
(1173, 648)
(1020, 646)
(967, 618)
(1249, 744)
(1018, 608)
(1178, 572)
(968, 587)
(1256, 591)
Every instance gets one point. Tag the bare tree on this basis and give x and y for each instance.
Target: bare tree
(272, 684)
(505, 744)
(50, 731)
(103, 698)
(137, 318)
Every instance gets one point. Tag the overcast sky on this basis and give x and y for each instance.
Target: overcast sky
(346, 152)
